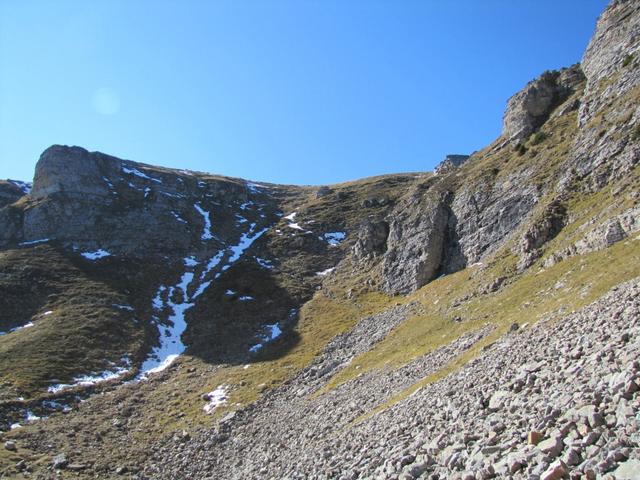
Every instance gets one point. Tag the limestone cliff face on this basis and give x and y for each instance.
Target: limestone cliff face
(89, 200)
(485, 210)
(611, 61)
(607, 146)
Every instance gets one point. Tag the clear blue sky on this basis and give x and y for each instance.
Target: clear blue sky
(306, 92)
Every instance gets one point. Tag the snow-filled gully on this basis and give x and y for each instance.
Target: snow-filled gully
(196, 278)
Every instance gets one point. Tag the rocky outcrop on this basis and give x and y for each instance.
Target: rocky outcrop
(9, 193)
(486, 215)
(89, 200)
(73, 171)
(611, 59)
(607, 146)
(528, 109)
(416, 243)
(611, 231)
(372, 239)
(541, 229)
(450, 163)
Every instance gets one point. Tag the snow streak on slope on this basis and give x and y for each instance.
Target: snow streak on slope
(206, 233)
(196, 278)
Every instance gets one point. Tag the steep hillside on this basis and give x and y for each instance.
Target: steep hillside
(480, 321)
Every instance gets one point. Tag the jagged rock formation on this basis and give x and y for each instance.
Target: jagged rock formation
(528, 109)
(450, 163)
(480, 322)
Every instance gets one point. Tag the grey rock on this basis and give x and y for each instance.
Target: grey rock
(629, 470)
(60, 461)
(415, 244)
(552, 446)
(323, 191)
(528, 109)
(372, 239)
(450, 163)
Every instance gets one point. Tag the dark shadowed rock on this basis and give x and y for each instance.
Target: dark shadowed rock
(9, 192)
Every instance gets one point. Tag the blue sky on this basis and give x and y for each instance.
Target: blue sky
(305, 92)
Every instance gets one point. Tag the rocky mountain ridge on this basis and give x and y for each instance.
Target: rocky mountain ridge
(475, 322)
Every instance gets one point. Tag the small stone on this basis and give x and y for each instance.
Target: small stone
(572, 457)
(556, 471)
(11, 446)
(499, 399)
(629, 470)
(551, 446)
(590, 439)
(60, 461)
(534, 437)
(514, 327)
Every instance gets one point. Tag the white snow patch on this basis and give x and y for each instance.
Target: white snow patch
(256, 187)
(325, 272)
(216, 397)
(274, 332)
(334, 238)
(178, 217)
(246, 240)
(15, 425)
(229, 292)
(123, 307)
(191, 261)
(48, 312)
(87, 380)
(264, 263)
(35, 242)
(24, 186)
(138, 173)
(98, 254)
(171, 345)
(31, 417)
(206, 234)
(246, 298)
(291, 217)
(15, 329)
(174, 195)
